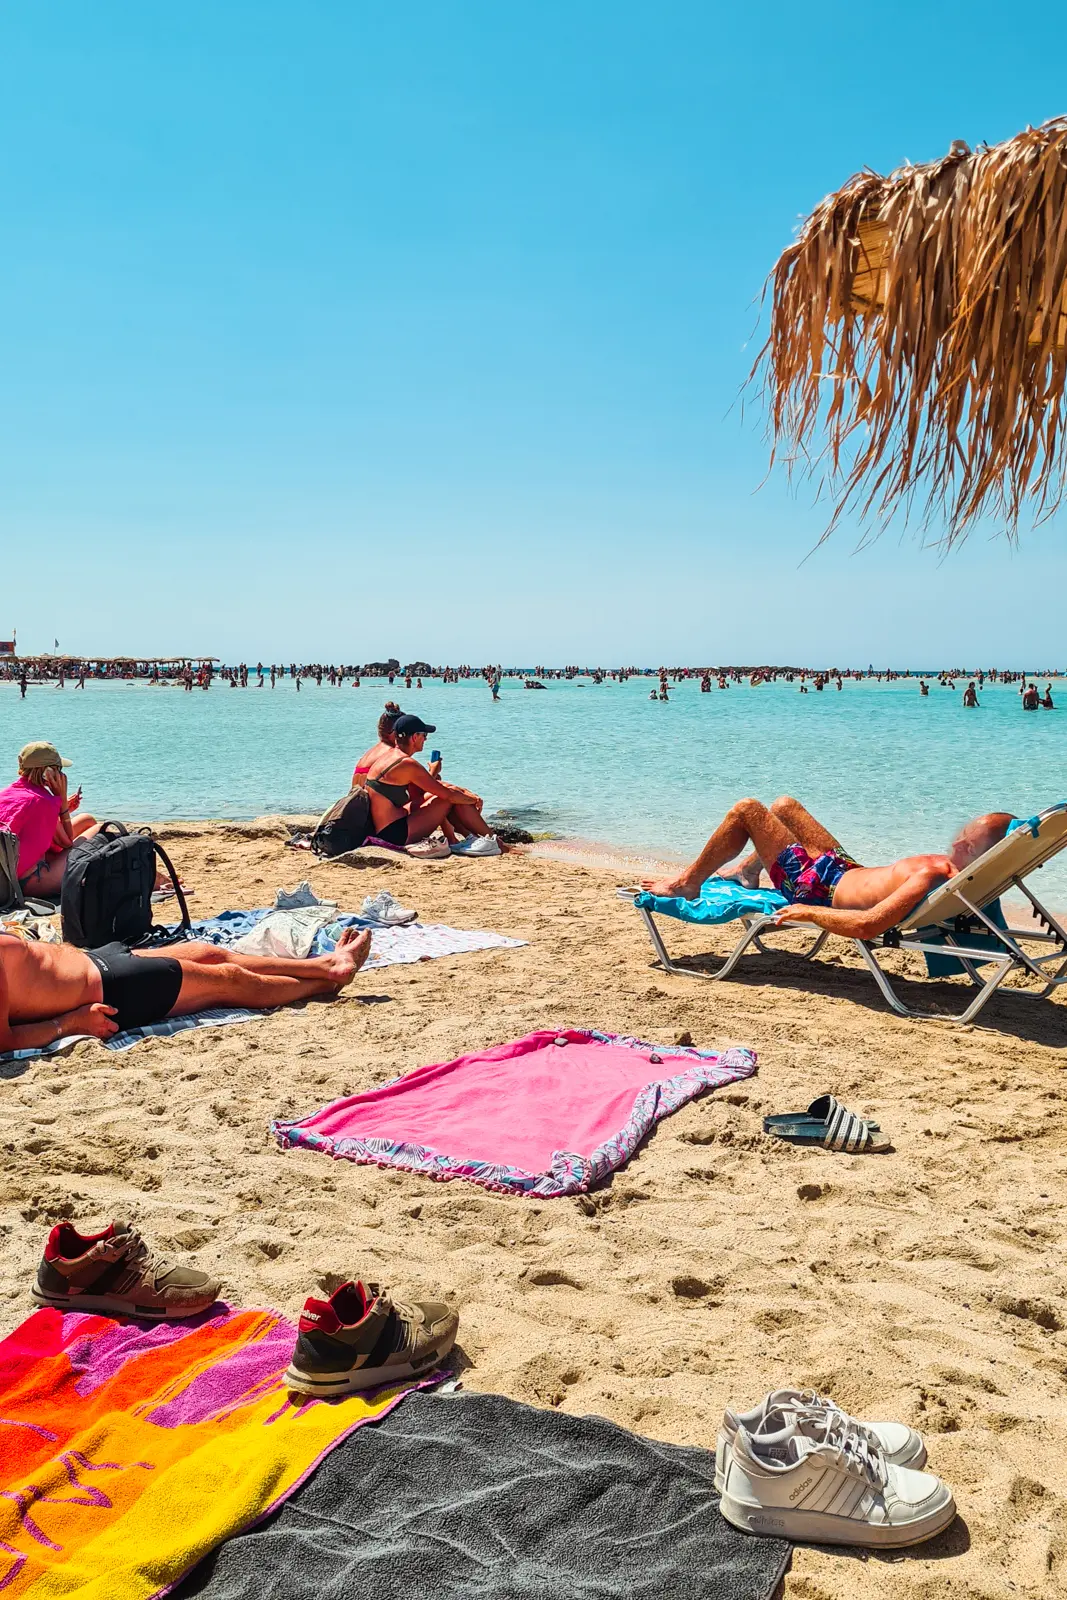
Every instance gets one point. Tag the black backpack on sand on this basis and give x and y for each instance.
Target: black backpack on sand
(345, 826)
(107, 888)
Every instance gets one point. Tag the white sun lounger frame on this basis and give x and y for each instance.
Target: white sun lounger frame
(955, 911)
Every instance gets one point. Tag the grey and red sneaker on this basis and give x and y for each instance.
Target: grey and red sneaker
(116, 1273)
(360, 1338)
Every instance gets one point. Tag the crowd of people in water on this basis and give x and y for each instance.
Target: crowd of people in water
(204, 673)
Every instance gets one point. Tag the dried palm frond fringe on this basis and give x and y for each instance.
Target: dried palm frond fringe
(918, 344)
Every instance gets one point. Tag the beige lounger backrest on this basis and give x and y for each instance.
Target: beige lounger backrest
(991, 875)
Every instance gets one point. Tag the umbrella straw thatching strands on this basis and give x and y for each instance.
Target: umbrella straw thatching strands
(918, 339)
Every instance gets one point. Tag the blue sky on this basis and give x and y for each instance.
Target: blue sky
(332, 330)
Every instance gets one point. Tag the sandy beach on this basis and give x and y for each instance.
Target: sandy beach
(926, 1285)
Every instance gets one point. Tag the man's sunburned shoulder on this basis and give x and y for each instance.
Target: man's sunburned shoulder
(863, 888)
(936, 862)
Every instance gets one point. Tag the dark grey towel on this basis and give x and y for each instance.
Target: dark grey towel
(475, 1497)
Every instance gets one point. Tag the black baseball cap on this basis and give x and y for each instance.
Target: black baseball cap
(411, 724)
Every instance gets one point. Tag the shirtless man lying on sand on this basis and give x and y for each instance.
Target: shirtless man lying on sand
(49, 991)
(822, 883)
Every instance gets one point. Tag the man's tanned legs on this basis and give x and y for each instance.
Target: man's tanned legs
(806, 830)
(215, 976)
(747, 821)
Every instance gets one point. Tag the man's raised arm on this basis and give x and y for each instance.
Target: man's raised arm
(878, 919)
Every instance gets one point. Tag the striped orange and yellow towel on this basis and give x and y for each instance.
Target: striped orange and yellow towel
(128, 1451)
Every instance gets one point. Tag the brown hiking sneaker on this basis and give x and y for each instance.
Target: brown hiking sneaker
(359, 1338)
(115, 1272)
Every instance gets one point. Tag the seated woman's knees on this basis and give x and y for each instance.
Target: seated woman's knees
(784, 802)
(750, 803)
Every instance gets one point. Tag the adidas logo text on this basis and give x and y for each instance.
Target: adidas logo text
(800, 1488)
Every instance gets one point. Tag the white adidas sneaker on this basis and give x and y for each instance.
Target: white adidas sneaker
(838, 1490)
(901, 1445)
(384, 909)
(477, 845)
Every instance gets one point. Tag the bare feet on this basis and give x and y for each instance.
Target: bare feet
(746, 873)
(678, 887)
(352, 950)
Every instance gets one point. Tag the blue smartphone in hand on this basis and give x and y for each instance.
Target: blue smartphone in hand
(435, 755)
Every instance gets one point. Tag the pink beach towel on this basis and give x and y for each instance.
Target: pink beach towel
(548, 1115)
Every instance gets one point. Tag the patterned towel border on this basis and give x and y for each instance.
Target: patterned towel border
(569, 1173)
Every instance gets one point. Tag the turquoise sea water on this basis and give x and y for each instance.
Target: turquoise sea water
(888, 771)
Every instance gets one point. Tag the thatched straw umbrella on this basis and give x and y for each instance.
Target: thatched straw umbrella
(918, 343)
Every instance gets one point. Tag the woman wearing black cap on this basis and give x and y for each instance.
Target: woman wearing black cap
(398, 820)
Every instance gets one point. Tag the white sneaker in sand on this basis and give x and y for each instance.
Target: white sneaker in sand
(840, 1490)
(901, 1445)
(435, 848)
(384, 909)
(477, 845)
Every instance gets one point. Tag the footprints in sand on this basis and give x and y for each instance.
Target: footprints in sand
(187, 1238)
(550, 1278)
(258, 1244)
(777, 1321)
(813, 1191)
(1029, 1308)
(686, 1286)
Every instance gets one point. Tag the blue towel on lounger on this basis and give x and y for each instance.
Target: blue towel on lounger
(720, 900)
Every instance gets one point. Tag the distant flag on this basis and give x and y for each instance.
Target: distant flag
(7, 646)
(55, 644)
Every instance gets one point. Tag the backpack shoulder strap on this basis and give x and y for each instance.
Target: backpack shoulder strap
(186, 922)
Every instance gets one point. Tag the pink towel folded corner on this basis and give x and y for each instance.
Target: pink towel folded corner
(544, 1116)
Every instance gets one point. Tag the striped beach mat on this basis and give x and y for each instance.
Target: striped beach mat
(127, 1451)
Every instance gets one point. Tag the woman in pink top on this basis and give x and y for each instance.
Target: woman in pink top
(35, 808)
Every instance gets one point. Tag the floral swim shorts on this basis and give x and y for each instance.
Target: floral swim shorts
(809, 880)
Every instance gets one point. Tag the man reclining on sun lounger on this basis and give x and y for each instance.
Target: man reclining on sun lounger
(822, 883)
(49, 991)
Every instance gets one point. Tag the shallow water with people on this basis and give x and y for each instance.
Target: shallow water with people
(889, 769)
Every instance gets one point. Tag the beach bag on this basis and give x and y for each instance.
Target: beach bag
(11, 897)
(107, 888)
(345, 826)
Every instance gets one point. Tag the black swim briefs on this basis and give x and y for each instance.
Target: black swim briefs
(395, 833)
(141, 988)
